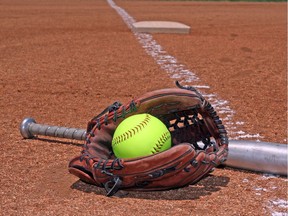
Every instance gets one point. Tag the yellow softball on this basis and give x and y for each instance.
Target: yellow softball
(140, 135)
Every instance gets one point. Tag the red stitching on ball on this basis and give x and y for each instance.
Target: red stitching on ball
(165, 136)
(128, 134)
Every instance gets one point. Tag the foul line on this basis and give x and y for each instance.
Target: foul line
(181, 73)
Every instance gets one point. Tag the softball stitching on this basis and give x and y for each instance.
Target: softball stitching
(131, 132)
(157, 148)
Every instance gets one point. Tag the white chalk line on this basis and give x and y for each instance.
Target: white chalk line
(181, 73)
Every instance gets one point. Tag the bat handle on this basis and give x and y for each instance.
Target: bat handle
(29, 129)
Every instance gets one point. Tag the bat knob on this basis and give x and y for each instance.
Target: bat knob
(24, 128)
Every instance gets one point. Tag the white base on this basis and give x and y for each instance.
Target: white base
(160, 27)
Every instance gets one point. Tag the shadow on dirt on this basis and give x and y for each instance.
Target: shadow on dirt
(63, 141)
(205, 187)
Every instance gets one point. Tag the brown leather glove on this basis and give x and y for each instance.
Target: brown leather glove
(199, 143)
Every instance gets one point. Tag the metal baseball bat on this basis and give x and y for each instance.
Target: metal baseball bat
(263, 157)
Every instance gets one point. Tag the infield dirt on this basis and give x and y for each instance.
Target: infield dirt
(63, 62)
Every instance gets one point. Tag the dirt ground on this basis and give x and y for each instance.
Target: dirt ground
(62, 62)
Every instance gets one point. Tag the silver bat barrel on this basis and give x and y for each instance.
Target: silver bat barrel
(264, 157)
